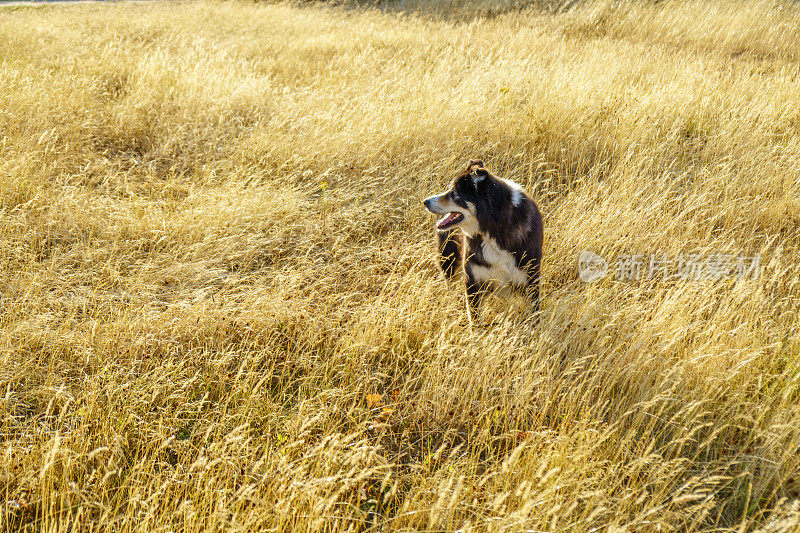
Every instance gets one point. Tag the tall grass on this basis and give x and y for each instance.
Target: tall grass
(221, 308)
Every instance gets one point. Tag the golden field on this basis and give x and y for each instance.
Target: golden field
(221, 308)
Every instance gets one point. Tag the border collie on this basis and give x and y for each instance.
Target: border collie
(502, 236)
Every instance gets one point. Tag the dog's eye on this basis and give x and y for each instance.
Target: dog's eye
(456, 197)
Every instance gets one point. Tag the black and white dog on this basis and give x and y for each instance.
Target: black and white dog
(503, 230)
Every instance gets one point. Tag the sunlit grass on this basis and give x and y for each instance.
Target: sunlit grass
(221, 307)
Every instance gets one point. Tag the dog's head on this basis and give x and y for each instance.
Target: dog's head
(460, 203)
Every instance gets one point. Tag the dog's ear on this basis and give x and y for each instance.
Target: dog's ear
(474, 163)
(477, 172)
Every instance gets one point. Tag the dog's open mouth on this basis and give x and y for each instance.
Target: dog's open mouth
(450, 219)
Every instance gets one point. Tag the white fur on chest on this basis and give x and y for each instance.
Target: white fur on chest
(502, 268)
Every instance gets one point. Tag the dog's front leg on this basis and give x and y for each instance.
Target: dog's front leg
(475, 292)
(449, 251)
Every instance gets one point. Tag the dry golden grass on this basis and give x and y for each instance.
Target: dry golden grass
(198, 334)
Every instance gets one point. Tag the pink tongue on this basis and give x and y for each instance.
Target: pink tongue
(446, 220)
